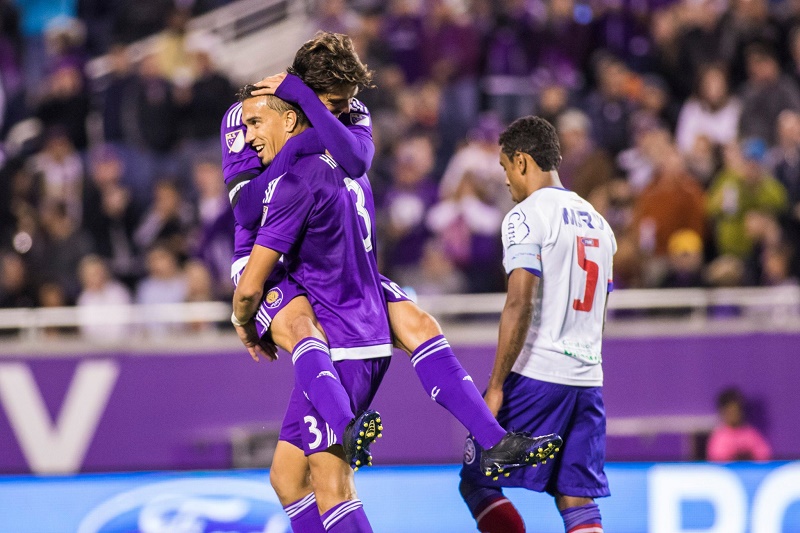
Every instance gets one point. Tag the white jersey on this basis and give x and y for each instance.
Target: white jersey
(559, 237)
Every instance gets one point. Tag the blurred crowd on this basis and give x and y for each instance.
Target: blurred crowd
(679, 120)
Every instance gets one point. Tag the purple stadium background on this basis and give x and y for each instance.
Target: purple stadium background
(170, 411)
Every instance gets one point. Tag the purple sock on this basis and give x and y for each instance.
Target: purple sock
(304, 515)
(583, 519)
(448, 384)
(315, 375)
(346, 517)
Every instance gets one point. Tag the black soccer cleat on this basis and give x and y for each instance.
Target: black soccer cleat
(358, 435)
(516, 450)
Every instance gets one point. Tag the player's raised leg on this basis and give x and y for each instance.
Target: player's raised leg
(449, 385)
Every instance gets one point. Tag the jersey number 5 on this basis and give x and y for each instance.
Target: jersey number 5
(361, 209)
(592, 271)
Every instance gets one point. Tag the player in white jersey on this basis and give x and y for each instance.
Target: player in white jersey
(547, 374)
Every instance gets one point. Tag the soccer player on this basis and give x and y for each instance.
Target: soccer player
(323, 231)
(320, 79)
(547, 371)
(247, 193)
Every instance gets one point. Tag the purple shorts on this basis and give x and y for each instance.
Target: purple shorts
(392, 292)
(279, 290)
(304, 427)
(575, 413)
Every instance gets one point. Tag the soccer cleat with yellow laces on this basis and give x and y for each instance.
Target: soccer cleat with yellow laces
(358, 435)
(516, 450)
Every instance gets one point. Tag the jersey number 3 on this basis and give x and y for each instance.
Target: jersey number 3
(361, 209)
(592, 272)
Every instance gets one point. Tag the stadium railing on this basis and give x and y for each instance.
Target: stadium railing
(468, 317)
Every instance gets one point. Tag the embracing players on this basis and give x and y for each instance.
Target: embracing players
(253, 197)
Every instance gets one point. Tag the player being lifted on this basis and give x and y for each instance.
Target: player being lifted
(323, 232)
(416, 331)
(547, 372)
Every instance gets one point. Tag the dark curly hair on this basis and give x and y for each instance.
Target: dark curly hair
(533, 136)
(274, 103)
(328, 61)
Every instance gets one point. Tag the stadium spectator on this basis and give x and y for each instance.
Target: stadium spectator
(734, 439)
(59, 172)
(154, 124)
(564, 42)
(508, 59)
(766, 93)
(466, 223)
(99, 291)
(115, 96)
(785, 164)
(609, 107)
(208, 96)
(711, 113)
(112, 215)
(685, 269)
(168, 220)
(165, 283)
(58, 249)
(452, 51)
(403, 32)
(16, 289)
(478, 158)
(65, 103)
(672, 201)
(411, 194)
(584, 166)
(335, 16)
(742, 187)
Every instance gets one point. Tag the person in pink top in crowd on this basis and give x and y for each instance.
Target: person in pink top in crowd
(734, 439)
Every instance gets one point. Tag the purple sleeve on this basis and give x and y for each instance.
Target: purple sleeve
(351, 147)
(289, 204)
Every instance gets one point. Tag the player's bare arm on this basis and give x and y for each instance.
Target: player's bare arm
(514, 323)
(247, 298)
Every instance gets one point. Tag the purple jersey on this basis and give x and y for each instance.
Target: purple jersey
(242, 168)
(322, 221)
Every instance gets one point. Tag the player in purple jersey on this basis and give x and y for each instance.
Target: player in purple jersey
(319, 75)
(414, 330)
(323, 231)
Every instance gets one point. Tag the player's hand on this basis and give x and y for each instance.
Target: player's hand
(269, 85)
(256, 347)
(493, 399)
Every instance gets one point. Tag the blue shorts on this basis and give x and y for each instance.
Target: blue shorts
(575, 413)
(304, 428)
(392, 292)
(279, 290)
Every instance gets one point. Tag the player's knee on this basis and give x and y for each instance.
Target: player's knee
(332, 482)
(411, 325)
(288, 486)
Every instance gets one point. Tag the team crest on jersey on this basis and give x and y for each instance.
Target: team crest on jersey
(359, 119)
(274, 298)
(235, 141)
(469, 451)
